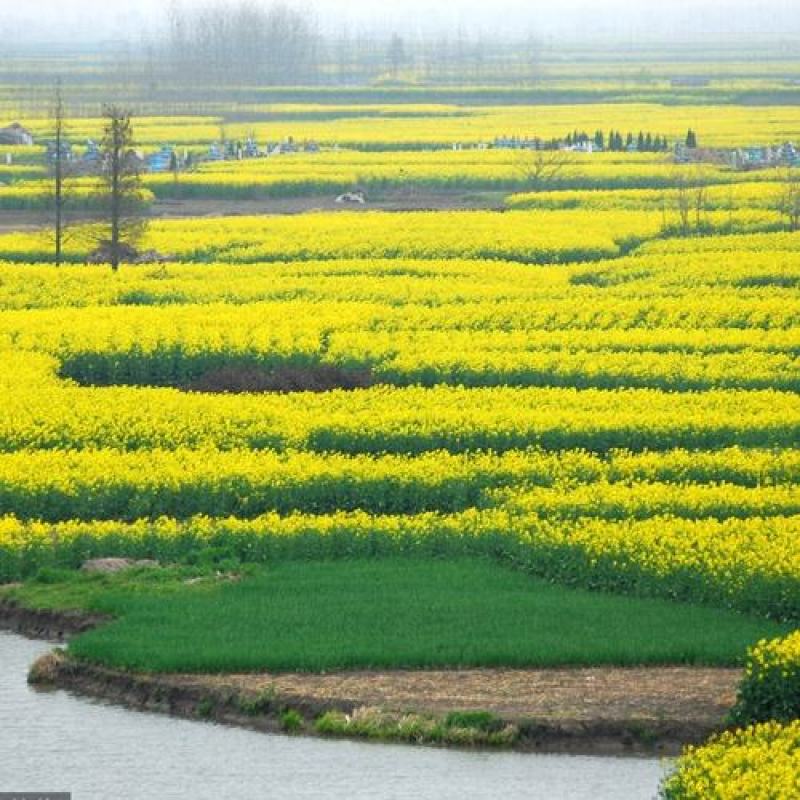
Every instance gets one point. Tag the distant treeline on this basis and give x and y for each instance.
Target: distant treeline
(241, 42)
(616, 142)
(251, 51)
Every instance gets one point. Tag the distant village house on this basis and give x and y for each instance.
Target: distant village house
(740, 158)
(16, 135)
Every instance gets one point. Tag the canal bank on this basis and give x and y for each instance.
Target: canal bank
(56, 741)
(651, 711)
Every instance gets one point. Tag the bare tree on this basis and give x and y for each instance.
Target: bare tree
(690, 200)
(683, 204)
(700, 198)
(120, 188)
(788, 205)
(539, 169)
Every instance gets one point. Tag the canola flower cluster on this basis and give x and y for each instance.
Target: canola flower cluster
(771, 685)
(335, 171)
(719, 194)
(761, 762)
(528, 237)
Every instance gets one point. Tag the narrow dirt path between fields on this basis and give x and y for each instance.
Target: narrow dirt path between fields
(19, 221)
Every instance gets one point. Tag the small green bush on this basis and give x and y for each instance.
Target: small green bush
(291, 720)
(52, 575)
(261, 703)
(204, 708)
(480, 720)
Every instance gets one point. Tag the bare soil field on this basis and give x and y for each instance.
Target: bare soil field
(688, 694)
(15, 221)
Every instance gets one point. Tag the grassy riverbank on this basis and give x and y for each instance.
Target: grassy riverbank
(395, 613)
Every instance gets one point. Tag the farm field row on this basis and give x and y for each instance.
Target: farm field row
(274, 180)
(766, 265)
(685, 488)
(399, 611)
(746, 564)
(38, 413)
(412, 128)
(533, 237)
(600, 181)
(60, 486)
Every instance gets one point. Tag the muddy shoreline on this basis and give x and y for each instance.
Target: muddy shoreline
(560, 715)
(51, 626)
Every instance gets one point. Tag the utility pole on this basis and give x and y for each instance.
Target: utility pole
(59, 172)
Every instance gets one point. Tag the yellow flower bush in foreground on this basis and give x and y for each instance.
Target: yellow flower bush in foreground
(771, 685)
(761, 762)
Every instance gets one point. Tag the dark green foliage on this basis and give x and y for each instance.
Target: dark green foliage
(480, 720)
(291, 721)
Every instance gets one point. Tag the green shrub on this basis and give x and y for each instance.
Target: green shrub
(291, 720)
(261, 703)
(205, 708)
(480, 720)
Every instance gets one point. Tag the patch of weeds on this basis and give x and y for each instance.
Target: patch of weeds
(205, 708)
(291, 720)
(261, 703)
(141, 297)
(479, 728)
(480, 720)
(643, 735)
(331, 723)
(51, 575)
(459, 728)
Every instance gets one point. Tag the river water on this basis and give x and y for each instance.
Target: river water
(52, 741)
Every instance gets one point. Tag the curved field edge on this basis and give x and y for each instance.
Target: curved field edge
(737, 564)
(263, 704)
(580, 710)
(383, 613)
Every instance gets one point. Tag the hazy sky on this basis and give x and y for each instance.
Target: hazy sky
(92, 19)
